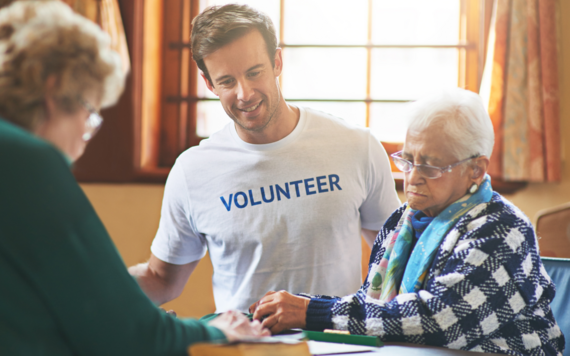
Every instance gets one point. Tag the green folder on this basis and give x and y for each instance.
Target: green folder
(343, 339)
(213, 316)
(320, 336)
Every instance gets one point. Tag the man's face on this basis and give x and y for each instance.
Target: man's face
(245, 80)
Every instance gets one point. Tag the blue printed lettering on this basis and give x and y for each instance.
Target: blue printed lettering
(312, 187)
(309, 186)
(236, 202)
(272, 196)
(320, 184)
(253, 202)
(280, 191)
(228, 205)
(296, 184)
(333, 180)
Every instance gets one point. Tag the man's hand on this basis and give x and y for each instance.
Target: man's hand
(281, 310)
(237, 327)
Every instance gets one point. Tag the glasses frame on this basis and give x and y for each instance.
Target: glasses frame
(93, 122)
(397, 157)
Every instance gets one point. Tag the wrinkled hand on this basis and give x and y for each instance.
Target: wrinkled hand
(169, 312)
(281, 310)
(237, 327)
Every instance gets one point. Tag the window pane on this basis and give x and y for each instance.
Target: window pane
(269, 7)
(388, 121)
(330, 22)
(415, 21)
(324, 73)
(410, 73)
(211, 118)
(355, 113)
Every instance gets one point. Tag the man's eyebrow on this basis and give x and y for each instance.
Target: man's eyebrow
(257, 66)
(223, 77)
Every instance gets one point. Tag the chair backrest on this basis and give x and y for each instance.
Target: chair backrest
(553, 231)
(559, 271)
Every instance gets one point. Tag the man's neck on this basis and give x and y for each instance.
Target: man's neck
(281, 125)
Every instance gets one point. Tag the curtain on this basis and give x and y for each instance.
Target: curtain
(106, 13)
(520, 85)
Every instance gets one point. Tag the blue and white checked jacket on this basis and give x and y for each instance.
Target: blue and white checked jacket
(486, 291)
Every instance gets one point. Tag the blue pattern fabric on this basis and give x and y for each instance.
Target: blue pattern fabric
(419, 222)
(485, 291)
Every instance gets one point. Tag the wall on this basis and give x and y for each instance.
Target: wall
(131, 212)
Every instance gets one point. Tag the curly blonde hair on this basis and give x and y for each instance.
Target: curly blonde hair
(43, 39)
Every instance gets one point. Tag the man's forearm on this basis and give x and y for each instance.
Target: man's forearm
(151, 285)
(162, 281)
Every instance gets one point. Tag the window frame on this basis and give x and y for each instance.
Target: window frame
(143, 134)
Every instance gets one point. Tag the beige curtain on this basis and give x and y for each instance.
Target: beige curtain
(520, 84)
(106, 13)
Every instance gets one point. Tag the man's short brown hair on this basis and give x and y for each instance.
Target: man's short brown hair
(217, 26)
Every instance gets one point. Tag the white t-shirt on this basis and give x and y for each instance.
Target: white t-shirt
(284, 215)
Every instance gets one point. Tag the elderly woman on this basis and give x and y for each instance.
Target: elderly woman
(457, 266)
(65, 289)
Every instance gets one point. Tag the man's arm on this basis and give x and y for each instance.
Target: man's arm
(162, 281)
(369, 236)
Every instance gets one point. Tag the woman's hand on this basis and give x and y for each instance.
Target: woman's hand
(281, 310)
(169, 312)
(237, 327)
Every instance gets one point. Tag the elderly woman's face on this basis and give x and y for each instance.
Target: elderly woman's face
(431, 196)
(65, 130)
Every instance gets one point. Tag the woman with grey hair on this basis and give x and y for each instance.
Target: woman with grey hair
(65, 289)
(457, 266)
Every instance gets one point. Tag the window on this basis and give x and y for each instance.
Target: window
(359, 60)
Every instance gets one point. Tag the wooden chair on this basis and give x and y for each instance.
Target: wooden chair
(553, 231)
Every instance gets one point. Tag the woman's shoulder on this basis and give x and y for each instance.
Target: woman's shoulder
(20, 147)
(499, 220)
(26, 159)
(392, 222)
(499, 210)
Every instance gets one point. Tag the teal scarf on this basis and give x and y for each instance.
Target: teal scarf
(397, 272)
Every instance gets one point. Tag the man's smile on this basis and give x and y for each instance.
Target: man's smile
(251, 108)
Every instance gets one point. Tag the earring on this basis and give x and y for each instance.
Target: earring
(473, 188)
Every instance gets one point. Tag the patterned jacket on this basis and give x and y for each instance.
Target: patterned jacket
(486, 291)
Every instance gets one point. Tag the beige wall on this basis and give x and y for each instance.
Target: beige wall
(131, 212)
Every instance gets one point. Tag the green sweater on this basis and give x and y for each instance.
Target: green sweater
(64, 289)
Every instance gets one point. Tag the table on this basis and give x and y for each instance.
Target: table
(402, 349)
(394, 348)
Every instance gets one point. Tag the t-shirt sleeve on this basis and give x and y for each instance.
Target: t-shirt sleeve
(177, 240)
(53, 238)
(382, 198)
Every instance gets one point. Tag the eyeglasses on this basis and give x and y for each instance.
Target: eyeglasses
(425, 170)
(93, 122)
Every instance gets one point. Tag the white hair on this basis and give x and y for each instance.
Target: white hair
(461, 116)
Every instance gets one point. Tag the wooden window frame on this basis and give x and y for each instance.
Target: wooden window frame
(142, 136)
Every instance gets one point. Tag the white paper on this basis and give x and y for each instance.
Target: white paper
(331, 348)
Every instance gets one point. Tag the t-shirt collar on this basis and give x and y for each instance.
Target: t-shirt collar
(285, 141)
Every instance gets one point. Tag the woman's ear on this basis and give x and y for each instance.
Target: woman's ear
(480, 166)
(50, 88)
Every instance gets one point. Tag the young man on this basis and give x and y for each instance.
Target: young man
(280, 197)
